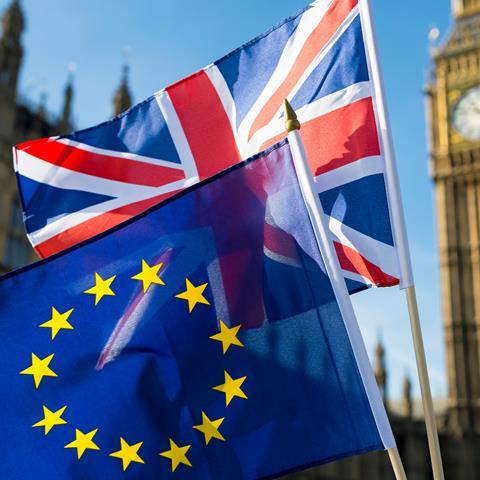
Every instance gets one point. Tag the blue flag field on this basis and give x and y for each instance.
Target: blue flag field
(199, 340)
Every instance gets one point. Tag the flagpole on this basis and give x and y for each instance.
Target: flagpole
(400, 235)
(332, 265)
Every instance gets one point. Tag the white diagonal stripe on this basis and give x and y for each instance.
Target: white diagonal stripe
(308, 22)
(178, 135)
(277, 257)
(114, 153)
(378, 253)
(322, 106)
(318, 58)
(55, 176)
(357, 277)
(65, 222)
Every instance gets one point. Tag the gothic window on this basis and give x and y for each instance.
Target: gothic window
(17, 249)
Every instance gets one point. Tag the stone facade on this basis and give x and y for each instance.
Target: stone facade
(455, 167)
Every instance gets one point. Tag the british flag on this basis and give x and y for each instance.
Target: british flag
(78, 185)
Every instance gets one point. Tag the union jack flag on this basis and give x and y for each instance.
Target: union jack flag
(78, 185)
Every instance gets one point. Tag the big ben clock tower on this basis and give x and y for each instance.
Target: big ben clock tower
(454, 99)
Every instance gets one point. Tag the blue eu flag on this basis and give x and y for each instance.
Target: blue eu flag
(201, 339)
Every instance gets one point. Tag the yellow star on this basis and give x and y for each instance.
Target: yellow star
(39, 369)
(149, 275)
(58, 321)
(101, 287)
(128, 453)
(193, 295)
(228, 336)
(83, 442)
(231, 388)
(177, 455)
(50, 419)
(209, 428)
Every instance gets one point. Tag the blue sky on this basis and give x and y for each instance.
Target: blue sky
(169, 39)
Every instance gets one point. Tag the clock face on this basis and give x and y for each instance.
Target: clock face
(466, 115)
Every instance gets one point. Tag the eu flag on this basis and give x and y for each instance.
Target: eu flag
(201, 339)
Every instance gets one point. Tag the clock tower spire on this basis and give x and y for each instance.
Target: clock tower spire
(454, 111)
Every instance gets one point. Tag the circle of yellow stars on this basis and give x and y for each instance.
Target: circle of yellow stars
(129, 453)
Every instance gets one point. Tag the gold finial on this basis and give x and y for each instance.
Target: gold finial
(291, 120)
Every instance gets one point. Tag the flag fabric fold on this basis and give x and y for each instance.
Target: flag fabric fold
(201, 337)
(78, 185)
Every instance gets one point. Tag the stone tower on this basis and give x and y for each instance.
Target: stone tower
(380, 370)
(454, 100)
(11, 54)
(65, 124)
(122, 99)
(407, 404)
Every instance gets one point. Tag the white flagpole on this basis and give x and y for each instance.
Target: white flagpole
(400, 235)
(332, 265)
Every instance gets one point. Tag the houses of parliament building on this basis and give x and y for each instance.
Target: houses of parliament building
(20, 122)
(454, 123)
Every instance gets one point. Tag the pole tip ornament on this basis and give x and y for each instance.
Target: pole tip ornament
(291, 120)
